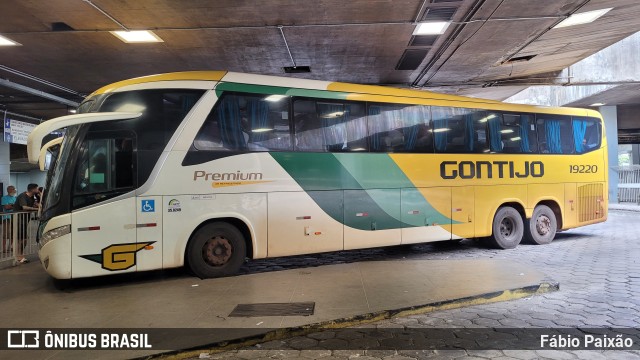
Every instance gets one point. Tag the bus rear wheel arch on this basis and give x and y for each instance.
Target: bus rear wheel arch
(507, 228)
(216, 249)
(542, 227)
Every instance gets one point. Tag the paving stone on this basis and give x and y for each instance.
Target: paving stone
(398, 357)
(623, 355)
(323, 335)
(555, 354)
(596, 267)
(521, 354)
(488, 354)
(333, 344)
(315, 354)
(380, 353)
(589, 355)
(251, 354)
(348, 353)
(302, 343)
(417, 354)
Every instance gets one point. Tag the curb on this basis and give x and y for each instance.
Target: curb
(546, 286)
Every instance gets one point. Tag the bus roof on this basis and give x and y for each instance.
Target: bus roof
(355, 91)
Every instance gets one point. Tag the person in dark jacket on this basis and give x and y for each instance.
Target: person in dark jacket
(25, 202)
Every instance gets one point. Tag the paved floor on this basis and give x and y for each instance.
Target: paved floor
(340, 293)
(597, 266)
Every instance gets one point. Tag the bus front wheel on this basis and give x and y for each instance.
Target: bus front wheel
(508, 228)
(216, 249)
(542, 227)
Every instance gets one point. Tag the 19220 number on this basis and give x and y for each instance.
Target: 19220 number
(583, 169)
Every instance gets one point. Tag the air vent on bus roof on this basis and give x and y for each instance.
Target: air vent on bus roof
(61, 26)
(519, 59)
(297, 69)
(440, 14)
(411, 59)
(423, 40)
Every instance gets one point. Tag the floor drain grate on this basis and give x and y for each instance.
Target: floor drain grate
(274, 309)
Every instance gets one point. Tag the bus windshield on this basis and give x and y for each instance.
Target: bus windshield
(103, 160)
(57, 169)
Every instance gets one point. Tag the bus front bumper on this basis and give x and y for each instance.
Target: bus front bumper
(55, 257)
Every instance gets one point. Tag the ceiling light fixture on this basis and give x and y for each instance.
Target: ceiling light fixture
(137, 36)
(486, 118)
(582, 18)
(597, 104)
(274, 98)
(4, 41)
(431, 28)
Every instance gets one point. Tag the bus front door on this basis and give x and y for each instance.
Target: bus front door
(104, 244)
(149, 213)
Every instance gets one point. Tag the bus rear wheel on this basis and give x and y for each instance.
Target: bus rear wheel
(508, 228)
(542, 227)
(215, 250)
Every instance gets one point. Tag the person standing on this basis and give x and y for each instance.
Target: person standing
(7, 202)
(25, 202)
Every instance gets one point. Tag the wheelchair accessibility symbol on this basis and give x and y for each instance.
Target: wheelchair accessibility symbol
(148, 206)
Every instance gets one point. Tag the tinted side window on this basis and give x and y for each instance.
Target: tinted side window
(327, 125)
(246, 122)
(400, 128)
(162, 112)
(586, 134)
(458, 130)
(555, 134)
(105, 168)
(517, 134)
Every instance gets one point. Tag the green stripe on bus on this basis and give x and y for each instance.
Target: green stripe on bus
(319, 173)
(279, 90)
(416, 211)
(379, 171)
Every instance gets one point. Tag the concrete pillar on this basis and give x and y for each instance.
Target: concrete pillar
(635, 154)
(610, 115)
(5, 162)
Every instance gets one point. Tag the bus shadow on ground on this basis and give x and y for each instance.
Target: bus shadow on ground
(116, 280)
(465, 248)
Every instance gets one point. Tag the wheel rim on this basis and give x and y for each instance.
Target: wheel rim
(506, 227)
(217, 251)
(543, 225)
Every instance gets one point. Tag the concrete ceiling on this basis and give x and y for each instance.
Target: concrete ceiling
(359, 41)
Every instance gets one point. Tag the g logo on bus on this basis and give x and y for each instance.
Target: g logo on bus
(119, 256)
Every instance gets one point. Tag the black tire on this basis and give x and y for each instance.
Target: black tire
(542, 227)
(508, 228)
(216, 250)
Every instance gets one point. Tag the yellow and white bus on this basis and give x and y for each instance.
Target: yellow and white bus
(206, 169)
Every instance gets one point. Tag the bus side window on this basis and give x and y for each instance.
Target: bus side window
(328, 125)
(459, 130)
(518, 137)
(555, 135)
(400, 128)
(253, 122)
(586, 134)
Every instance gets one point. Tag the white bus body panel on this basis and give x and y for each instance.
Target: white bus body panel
(297, 225)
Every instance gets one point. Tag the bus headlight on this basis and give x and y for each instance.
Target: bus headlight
(54, 233)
